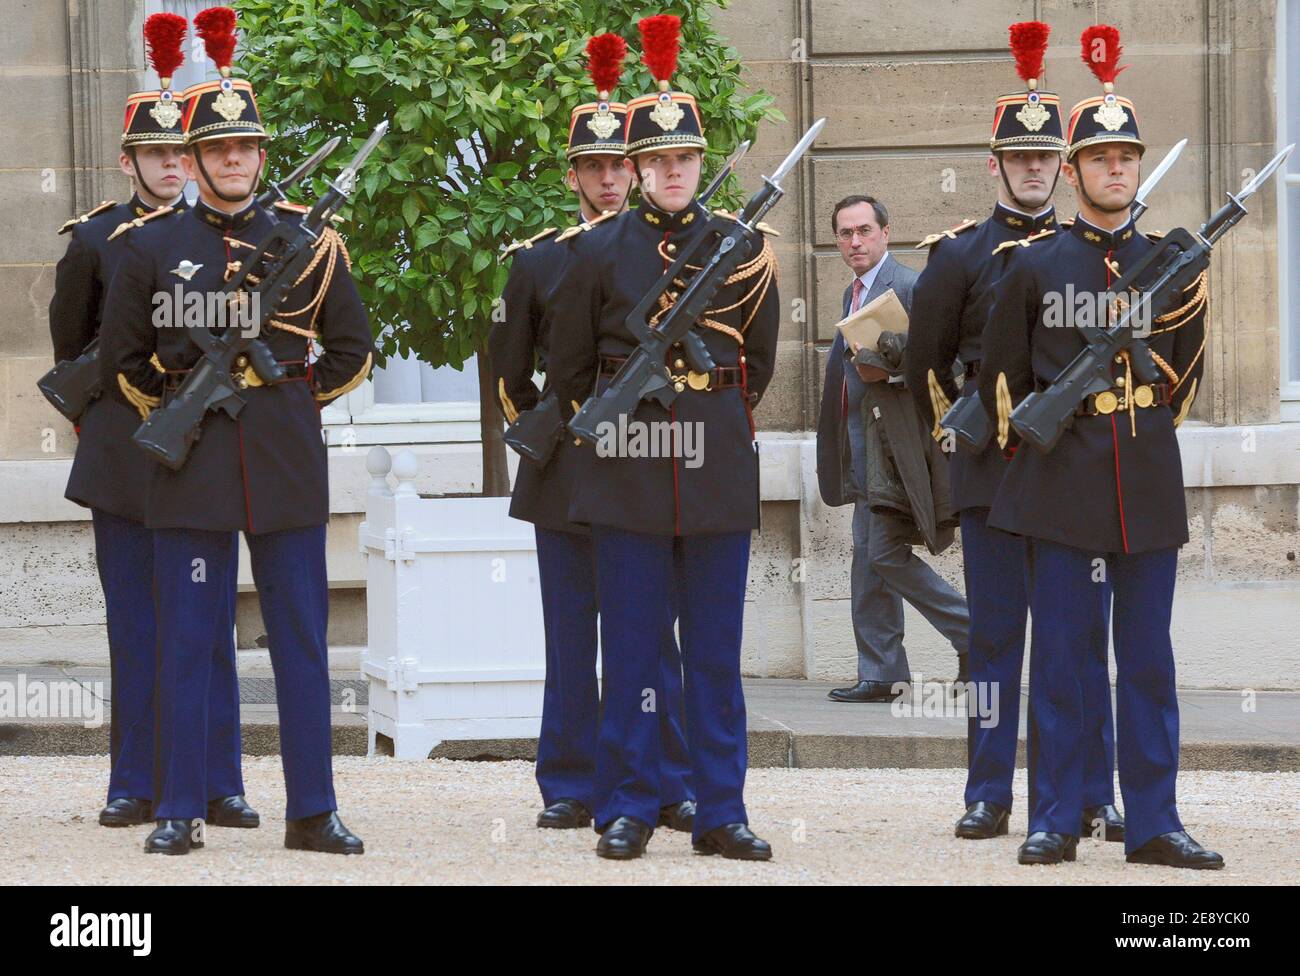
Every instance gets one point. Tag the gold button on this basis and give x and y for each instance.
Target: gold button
(679, 363)
(672, 248)
(679, 386)
(241, 362)
(1119, 381)
(1119, 359)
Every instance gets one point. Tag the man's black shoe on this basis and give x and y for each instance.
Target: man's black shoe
(126, 811)
(322, 832)
(232, 811)
(1042, 847)
(678, 816)
(1176, 850)
(735, 841)
(866, 691)
(1109, 816)
(174, 837)
(565, 814)
(624, 839)
(982, 820)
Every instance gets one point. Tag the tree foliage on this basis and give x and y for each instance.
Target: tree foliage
(478, 93)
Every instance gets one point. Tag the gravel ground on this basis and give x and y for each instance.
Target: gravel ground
(461, 822)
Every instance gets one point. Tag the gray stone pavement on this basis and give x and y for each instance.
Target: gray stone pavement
(791, 724)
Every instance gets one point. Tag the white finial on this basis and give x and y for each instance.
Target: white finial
(379, 462)
(405, 467)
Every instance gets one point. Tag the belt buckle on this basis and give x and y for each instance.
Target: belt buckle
(1144, 395)
(698, 381)
(1105, 402)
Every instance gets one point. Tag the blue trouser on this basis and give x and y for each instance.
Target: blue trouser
(566, 748)
(191, 570)
(1067, 603)
(994, 565)
(124, 555)
(637, 575)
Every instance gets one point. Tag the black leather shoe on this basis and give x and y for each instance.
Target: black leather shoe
(323, 832)
(678, 816)
(865, 691)
(232, 811)
(624, 839)
(1045, 848)
(735, 841)
(982, 820)
(1176, 850)
(1108, 815)
(127, 811)
(565, 814)
(174, 837)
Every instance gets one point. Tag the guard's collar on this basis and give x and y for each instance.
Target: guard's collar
(1022, 223)
(1104, 240)
(141, 209)
(691, 215)
(225, 221)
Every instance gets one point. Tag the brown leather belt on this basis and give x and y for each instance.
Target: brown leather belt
(1112, 401)
(718, 378)
(242, 373)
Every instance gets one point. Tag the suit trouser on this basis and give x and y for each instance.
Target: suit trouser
(877, 610)
(566, 747)
(191, 567)
(997, 589)
(1067, 604)
(124, 557)
(911, 578)
(637, 574)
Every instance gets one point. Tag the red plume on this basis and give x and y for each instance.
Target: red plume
(1103, 40)
(605, 54)
(164, 33)
(661, 39)
(1029, 45)
(216, 26)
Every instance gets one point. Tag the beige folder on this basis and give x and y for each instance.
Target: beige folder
(884, 313)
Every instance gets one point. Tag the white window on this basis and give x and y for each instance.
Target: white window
(1288, 224)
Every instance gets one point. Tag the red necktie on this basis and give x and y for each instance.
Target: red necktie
(844, 389)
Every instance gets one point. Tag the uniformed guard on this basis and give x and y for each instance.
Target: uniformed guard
(1105, 505)
(110, 475)
(672, 519)
(566, 747)
(950, 308)
(263, 472)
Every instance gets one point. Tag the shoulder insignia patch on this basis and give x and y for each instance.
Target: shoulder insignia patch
(141, 221)
(530, 242)
(69, 224)
(585, 225)
(1023, 241)
(763, 226)
(951, 232)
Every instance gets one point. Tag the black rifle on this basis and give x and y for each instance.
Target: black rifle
(280, 259)
(1161, 276)
(966, 418)
(726, 243)
(72, 384)
(537, 432)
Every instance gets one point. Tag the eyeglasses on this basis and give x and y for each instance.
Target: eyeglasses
(846, 234)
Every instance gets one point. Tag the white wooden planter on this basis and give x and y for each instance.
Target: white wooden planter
(456, 647)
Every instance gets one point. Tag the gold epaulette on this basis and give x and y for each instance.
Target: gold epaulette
(585, 225)
(1024, 241)
(763, 226)
(140, 221)
(530, 242)
(69, 224)
(1154, 235)
(291, 207)
(965, 225)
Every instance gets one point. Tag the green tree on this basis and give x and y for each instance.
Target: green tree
(478, 93)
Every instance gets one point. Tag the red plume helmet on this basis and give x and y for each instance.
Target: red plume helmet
(216, 26)
(1029, 46)
(605, 54)
(164, 34)
(661, 38)
(1102, 39)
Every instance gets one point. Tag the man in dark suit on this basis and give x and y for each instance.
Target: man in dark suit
(885, 570)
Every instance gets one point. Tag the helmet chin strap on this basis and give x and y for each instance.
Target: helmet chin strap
(587, 201)
(1028, 208)
(139, 177)
(1083, 192)
(198, 159)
